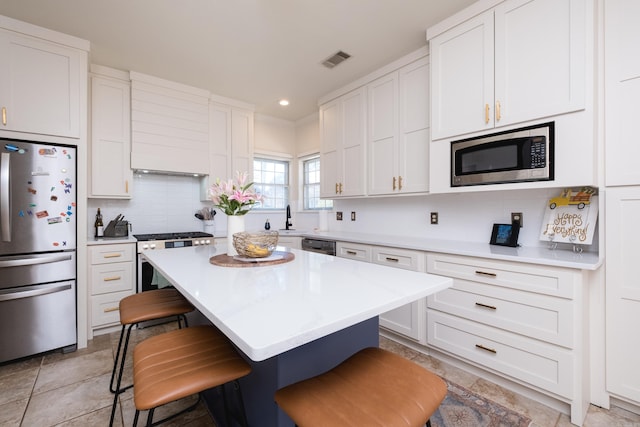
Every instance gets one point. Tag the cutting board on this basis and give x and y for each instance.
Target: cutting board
(224, 260)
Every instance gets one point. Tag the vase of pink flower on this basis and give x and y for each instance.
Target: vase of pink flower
(235, 197)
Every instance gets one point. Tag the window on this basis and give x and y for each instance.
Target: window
(311, 185)
(271, 179)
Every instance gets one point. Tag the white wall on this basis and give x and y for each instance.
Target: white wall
(463, 217)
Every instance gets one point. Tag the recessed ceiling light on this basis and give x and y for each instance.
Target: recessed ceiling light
(284, 102)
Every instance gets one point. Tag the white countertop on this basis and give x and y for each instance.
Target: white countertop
(110, 240)
(530, 255)
(268, 310)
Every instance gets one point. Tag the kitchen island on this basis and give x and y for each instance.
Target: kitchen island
(291, 320)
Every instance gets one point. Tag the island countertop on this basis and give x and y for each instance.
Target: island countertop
(270, 309)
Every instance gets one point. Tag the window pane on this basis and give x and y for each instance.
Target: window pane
(311, 186)
(271, 178)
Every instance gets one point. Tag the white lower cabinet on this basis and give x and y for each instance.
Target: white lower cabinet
(408, 320)
(522, 321)
(353, 251)
(112, 277)
(290, 242)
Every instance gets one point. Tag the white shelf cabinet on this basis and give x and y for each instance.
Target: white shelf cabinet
(40, 85)
(342, 145)
(110, 153)
(491, 70)
(398, 131)
(622, 91)
(622, 293)
(112, 277)
(527, 323)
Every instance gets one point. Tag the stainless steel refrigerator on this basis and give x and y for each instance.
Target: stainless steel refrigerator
(37, 248)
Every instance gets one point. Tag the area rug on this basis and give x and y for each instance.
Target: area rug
(464, 408)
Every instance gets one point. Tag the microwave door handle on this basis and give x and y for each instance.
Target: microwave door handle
(5, 211)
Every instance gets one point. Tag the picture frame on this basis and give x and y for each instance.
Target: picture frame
(505, 235)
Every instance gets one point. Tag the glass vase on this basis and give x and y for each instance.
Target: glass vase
(235, 224)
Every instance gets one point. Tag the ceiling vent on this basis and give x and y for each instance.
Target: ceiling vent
(335, 59)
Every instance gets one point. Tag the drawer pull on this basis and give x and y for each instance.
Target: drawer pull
(491, 307)
(392, 259)
(112, 255)
(111, 279)
(490, 350)
(484, 273)
(354, 253)
(110, 309)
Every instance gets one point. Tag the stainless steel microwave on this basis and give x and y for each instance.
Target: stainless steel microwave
(518, 155)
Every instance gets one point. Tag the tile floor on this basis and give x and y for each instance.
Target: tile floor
(73, 390)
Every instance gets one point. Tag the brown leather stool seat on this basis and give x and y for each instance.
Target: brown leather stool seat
(374, 387)
(142, 307)
(183, 362)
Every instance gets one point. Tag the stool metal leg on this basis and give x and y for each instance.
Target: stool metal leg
(115, 363)
(119, 390)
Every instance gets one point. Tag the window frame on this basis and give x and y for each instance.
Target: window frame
(303, 161)
(259, 185)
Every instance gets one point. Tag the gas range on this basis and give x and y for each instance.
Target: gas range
(172, 240)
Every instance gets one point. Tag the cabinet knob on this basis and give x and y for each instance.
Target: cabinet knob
(336, 188)
(498, 111)
(394, 183)
(486, 113)
(4, 116)
(340, 188)
(399, 183)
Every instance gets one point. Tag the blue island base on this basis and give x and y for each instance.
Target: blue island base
(287, 368)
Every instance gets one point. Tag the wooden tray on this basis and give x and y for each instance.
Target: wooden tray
(224, 260)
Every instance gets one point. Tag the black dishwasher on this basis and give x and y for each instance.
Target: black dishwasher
(327, 247)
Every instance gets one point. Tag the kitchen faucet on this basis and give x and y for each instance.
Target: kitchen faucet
(288, 224)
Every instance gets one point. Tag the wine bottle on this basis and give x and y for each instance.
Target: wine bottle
(99, 225)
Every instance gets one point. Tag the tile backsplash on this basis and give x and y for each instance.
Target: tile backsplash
(167, 203)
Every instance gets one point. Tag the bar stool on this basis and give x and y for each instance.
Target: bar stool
(374, 387)
(183, 362)
(142, 307)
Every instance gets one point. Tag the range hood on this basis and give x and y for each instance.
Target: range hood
(169, 126)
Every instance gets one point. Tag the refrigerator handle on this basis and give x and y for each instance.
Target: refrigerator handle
(34, 292)
(5, 198)
(35, 260)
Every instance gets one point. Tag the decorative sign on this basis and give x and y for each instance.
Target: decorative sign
(571, 217)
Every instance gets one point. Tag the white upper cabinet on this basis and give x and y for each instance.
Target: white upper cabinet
(110, 171)
(342, 151)
(398, 137)
(462, 78)
(169, 126)
(40, 85)
(622, 91)
(521, 61)
(231, 143)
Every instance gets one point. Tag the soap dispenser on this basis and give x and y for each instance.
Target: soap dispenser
(267, 226)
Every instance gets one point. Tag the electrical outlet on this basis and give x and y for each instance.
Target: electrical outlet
(516, 217)
(353, 216)
(434, 217)
(338, 216)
